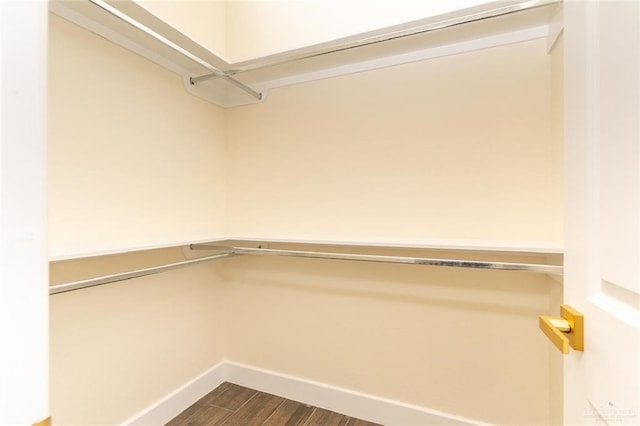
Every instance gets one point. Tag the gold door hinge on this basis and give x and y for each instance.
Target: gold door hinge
(565, 330)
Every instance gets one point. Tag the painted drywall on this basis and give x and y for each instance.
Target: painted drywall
(260, 28)
(134, 160)
(454, 148)
(119, 348)
(459, 147)
(459, 341)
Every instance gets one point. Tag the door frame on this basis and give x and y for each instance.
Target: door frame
(24, 300)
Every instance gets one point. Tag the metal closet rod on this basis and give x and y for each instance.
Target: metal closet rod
(215, 71)
(451, 263)
(107, 279)
(235, 251)
(257, 64)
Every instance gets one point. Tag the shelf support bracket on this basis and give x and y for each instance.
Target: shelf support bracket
(229, 79)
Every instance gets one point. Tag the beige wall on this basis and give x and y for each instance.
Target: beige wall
(454, 148)
(117, 349)
(463, 342)
(459, 147)
(134, 160)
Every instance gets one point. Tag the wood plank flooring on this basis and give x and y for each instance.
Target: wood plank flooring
(234, 405)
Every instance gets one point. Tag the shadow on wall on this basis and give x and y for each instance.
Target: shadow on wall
(505, 292)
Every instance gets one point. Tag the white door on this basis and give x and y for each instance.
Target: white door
(602, 226)
(24, 297)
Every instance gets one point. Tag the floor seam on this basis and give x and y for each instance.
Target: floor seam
(273, 412)
(306, 422)
(218, 396)
(239, 408)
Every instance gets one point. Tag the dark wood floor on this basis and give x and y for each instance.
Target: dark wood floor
(233, 405)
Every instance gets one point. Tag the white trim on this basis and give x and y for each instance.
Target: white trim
(179, 243)
(418, 243)
(354, 404)
(419, 55)
(24, 305)
(510, 247)
(187, 64)
(64, 11)
(177, 401)
(617, 309)
(345, 401)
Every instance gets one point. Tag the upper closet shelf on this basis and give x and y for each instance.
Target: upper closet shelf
(208, 76)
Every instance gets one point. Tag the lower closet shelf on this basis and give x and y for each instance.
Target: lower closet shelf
(224, 250)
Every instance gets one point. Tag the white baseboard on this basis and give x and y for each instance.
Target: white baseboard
(354, 404)
(180, 399)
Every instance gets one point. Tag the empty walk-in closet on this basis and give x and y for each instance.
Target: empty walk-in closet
(360, 206)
